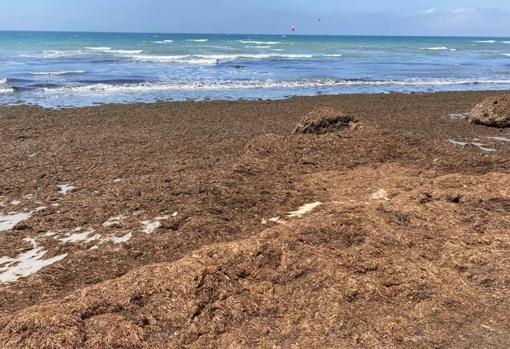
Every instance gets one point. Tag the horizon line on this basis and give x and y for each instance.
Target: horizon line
(273, 34)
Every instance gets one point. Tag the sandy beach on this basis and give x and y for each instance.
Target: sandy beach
(211, 225)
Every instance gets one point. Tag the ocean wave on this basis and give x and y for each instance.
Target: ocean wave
(506, 54)
(506, 42)
(214, 59)
(57, 73)
(6, 90)
(163, 42)
(263, 84)
(100, 48)
(197, 40)
(3, 81)
(333, 55)
(259, 42)
(441, 48)
(486, 41)
(110, 50)
(258, 46)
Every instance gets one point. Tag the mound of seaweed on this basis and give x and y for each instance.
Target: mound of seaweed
(324, 120)
(400, 259)
(492, 111)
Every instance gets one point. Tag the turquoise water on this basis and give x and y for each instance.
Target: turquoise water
(80, 69)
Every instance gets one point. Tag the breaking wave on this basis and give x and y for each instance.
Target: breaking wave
(259, 42)
(264, 84)
(57, 73)
(441, 48)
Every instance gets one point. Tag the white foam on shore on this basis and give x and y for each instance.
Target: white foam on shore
(65, 188)
(152, 225)
(26, 263)
(304, 210)
(9, 221)
(262, 84)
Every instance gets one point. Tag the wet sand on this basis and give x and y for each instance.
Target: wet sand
(105, 191)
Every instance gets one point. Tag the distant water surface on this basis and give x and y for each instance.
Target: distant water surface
(54, 69)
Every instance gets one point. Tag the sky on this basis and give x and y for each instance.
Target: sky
(330, 17)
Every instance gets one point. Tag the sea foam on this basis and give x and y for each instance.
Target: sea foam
(441, 48)
(259, 42)
(263, 84)
(56, 73)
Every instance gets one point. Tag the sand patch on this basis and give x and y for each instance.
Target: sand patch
(75, 236)
(65, 188)
(9, 221)
(26, 263)
(152, 225)
(307, 208)
(380, 195)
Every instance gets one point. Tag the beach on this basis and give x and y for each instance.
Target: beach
(209, 224)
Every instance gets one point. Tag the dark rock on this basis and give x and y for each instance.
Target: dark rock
(324, 120)
(493, 111)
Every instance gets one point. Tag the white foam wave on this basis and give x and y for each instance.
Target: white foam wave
(263, 84)
(486, 41)
(506, 42)
(3, 81)
(6, 90)
(259, 42)
(214, 59)
(56, 73)
(197, 40)
(334, 55)
(163, 42)
(98, 48)
(110, 50)
(257, 46)
(506, 54)
(441, 48)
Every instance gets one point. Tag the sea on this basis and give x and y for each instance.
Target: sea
(74, 69)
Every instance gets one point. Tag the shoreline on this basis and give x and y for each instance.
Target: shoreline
(130, 197)
(252, 100)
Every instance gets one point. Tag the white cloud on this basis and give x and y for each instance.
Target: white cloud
(463, 11)
(429, 11)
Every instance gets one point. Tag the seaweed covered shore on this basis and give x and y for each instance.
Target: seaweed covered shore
(219, 225)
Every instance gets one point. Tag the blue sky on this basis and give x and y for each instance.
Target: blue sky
(362, 17)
